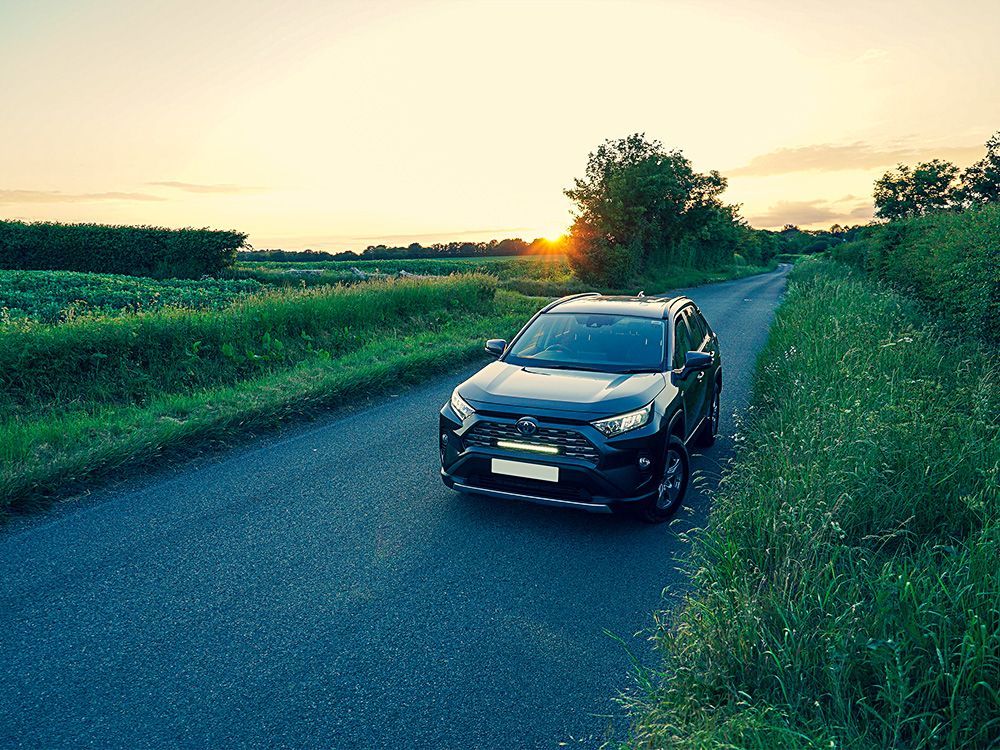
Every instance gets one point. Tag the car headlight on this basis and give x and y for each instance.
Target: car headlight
(460, 406)
(624, 422)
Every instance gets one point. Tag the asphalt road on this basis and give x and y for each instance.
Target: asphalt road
(322, 588)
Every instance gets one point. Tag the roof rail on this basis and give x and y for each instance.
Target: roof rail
(568, 297)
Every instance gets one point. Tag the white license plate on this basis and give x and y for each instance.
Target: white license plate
(528, 471)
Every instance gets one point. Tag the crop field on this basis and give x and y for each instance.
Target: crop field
(59, 296)
(552, 269)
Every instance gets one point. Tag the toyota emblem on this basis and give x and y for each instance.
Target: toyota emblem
(527, 426)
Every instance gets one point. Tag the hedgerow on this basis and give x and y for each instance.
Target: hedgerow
(102, 248)
(949, 259)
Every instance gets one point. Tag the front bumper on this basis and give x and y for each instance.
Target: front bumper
(609, 479)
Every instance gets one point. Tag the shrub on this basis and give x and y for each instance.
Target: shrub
(100, 248)
(950, 260)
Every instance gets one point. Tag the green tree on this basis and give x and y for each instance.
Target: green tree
(904, 192)
(634, 205)
(981, 181)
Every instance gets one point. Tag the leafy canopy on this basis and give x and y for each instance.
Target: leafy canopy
(640, 204)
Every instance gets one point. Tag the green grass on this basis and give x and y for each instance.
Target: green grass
(138, 358)
(58, 296)
(847, 589)
(88, 398)
(653, 282)
(543, 276)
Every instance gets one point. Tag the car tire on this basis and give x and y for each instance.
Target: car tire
(673, 484)
(709, 429)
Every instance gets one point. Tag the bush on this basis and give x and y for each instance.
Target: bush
(950, 260)
(846, 592)
(134, 251)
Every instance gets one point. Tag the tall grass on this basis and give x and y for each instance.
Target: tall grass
(64, 440)
(847, 590)
(134, 359)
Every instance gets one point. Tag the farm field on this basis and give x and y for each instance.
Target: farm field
(512, 271)
(59, 296)
(99, 371)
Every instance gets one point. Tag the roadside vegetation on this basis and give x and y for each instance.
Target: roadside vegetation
(846, 591)
(88, 397)
(939, 185)
(949, 259)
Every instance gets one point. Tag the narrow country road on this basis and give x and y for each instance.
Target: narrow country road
(322, 589)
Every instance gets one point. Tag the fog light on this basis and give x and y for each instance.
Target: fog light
(645, 462)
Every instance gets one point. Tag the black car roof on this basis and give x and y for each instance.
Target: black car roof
(640, 307)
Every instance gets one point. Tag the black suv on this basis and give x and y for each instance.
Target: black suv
(591, 406)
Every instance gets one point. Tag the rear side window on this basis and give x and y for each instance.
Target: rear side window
(682, 340)
(699, 328)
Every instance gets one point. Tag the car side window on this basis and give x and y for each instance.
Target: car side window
(682, 340)
(699, 328)
(708, 328)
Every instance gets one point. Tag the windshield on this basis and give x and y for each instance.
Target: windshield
(589, 341)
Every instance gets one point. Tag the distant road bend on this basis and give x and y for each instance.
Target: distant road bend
(322, 588)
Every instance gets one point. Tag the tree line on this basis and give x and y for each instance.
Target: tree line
(939, 185)
(492, 248)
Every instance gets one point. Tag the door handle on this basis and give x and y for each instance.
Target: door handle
(701, 376)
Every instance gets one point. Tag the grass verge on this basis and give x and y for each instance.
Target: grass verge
(46, 451)
(847, 592)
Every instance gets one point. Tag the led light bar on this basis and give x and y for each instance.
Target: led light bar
(527, 447)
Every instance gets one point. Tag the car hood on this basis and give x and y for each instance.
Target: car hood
(587, 394)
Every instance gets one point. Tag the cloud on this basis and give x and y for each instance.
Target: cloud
(194, 187)
(809, 213)
(56, 196)
(871, 55)
(829, 157)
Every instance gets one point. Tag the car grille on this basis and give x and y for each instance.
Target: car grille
(569, 442)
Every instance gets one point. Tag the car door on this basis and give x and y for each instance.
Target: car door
(689, 336)
(702, 341)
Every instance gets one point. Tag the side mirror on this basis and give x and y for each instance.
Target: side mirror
(495, 347)
(694, 361)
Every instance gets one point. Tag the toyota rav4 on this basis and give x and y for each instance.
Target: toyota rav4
(592, 405)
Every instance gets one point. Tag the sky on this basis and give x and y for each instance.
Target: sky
(338, 125)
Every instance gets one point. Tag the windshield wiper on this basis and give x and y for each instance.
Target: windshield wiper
(567, 367)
